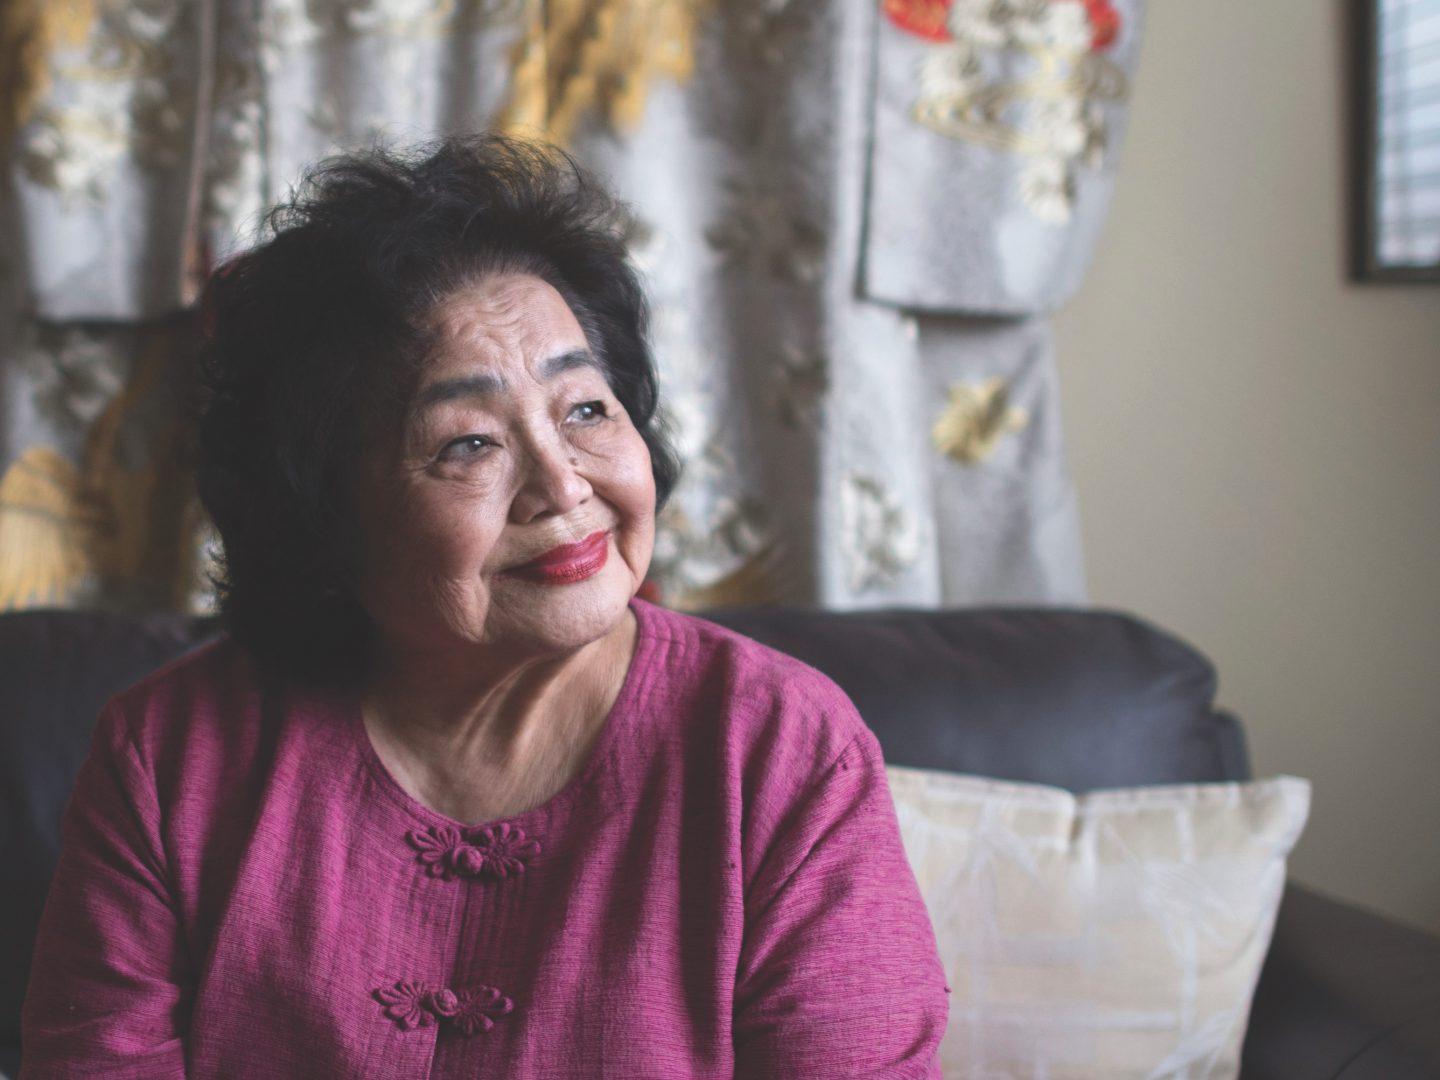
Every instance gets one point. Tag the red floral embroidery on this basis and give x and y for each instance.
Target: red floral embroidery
(923, 18)
(928, 19)
(495, 850)
(1105, 21)
(406, 1003)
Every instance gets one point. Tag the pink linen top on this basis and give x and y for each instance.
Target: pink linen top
(245, 890)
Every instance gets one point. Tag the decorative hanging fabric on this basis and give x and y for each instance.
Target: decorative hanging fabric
(774, 196)
(997, 130)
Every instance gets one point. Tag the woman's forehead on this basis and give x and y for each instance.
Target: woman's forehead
(503, 315)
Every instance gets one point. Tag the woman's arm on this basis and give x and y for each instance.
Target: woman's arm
(840, 973)
(109, 991)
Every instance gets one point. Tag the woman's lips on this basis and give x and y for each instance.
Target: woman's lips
(568, 562)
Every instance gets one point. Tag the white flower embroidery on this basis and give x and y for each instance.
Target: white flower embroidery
(948, 70)
(1047, 188)
(880, 539)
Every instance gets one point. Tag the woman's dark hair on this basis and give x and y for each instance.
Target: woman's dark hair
(312, 342)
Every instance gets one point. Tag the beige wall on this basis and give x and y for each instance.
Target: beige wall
(1256, 441)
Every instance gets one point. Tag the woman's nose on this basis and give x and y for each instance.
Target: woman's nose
(552, 484)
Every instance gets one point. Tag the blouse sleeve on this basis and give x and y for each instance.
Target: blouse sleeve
(108, 993)
(840, 973)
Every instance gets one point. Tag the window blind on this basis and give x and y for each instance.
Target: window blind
(1407, 155)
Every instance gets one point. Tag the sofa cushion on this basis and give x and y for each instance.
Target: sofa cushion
(1079, 699)
(1117, 934)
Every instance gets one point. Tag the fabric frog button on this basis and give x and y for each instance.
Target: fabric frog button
(468, 1011)
(406, 1003)
(495, 851)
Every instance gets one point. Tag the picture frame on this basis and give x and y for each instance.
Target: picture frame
(1395, 214)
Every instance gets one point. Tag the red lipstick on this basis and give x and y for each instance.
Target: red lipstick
(568, 562)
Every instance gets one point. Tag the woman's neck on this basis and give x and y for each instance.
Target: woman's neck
(498, 718)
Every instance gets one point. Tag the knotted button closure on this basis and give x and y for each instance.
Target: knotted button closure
(412, 1005)
(494, 851)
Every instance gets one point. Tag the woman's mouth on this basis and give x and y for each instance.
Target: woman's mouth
(568, 562)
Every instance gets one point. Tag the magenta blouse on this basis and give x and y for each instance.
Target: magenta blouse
(245, 890)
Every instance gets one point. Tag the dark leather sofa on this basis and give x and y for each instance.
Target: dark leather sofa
(1081, 699)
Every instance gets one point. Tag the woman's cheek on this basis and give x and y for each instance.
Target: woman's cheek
(445, 525)
(639, 475)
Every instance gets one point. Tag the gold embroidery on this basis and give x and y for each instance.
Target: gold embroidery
(580, 55)
(764, 578)
(975, 419)
(64, 529)
(730, 557)
(30, 30)
(979, 114)
(45, 530)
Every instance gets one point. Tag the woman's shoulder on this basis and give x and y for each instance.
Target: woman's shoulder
(698, 645)
(208, 701)
(205, 670)
(778, 704)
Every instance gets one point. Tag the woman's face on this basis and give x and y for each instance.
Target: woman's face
(514, 445)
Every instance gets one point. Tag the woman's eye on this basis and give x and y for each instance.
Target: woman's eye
(596, 410)
(469, 446)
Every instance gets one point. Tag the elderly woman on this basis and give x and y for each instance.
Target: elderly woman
(448, 798)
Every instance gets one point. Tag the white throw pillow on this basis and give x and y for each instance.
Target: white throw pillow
(1109, 935)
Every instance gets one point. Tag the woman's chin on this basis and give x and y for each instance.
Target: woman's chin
(560, 616)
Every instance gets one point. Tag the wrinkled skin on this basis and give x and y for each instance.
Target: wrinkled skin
(491, 687)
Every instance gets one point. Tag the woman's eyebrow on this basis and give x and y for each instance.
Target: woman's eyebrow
(481, 386)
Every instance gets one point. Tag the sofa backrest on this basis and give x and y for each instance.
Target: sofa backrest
(57, 668)
(1076, 698)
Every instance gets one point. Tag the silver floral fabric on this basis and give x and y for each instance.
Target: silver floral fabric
(849, 290)
(1013, 112)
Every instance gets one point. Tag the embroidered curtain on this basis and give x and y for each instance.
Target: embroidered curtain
(854, 218)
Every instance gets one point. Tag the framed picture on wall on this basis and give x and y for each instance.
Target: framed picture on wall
(1396, 212)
